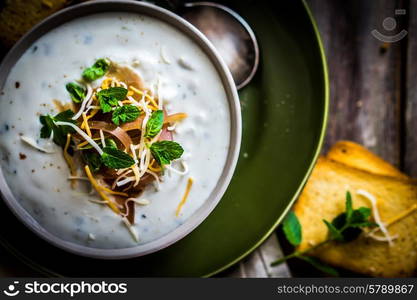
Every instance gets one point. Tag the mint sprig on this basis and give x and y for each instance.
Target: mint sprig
(155, 123)
(93, 160)
(125, 113)
(59, 132)
(344, 228)
(76, 92)
(99, 69)
(116, 159)
(166, 151)
(110, 97)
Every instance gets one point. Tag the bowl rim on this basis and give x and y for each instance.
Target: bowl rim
(103, 6)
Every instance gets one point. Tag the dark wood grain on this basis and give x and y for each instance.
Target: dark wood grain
(410, 124)
(365, 74)
(367, 90)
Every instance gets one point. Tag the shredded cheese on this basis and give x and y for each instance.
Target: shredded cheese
(152, 168)
(397, 218)
(69, 160)
(100, 192)
(105, 83)
(83, 134)
(402, 215)
(32, 143)
(84, 103)
(184, 165)
(184, 198)
(77, 178)
(144, 95)
(125, 181)
(164, 57)
(137, 201)
(85, 123)
(375, 213)
(156, 179)
(82, 144)
(93, 113)
(103, 141)
(131, 229)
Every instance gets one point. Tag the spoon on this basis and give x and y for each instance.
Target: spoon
(228, 32)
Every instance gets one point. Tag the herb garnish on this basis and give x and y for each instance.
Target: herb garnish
(125, 113)
(93, 160)
(99, 69)
(346, 227)
(155, 123)
(59, 132)
(166, 151)
(76, 92)
(110, 143)
(110, 97)
(116, 159)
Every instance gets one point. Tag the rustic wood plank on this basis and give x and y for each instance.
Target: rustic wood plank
(257, 265)
(365, 80)
(410, 144)
(365, 74)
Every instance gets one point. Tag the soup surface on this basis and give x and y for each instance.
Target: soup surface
(160, 54)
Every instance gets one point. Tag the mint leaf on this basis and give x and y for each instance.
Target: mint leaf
(48, 125)
(99, 69)
(292, 229)
(126, 113)
(155, 123)
(60, 132)
(116, 159)
(76, 92)
(349, 208)
(110, 143)
(347, 226)
(333, 231)
(319, 265)
(93, 160)
(166, 151)
(110, 97)
(65, 116)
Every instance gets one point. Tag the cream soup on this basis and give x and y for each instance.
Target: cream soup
(169, 63)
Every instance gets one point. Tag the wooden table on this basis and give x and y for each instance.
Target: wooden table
(373, 96)
(373, 89)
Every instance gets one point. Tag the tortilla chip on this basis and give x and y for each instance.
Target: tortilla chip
(356, 156)
(324, 198)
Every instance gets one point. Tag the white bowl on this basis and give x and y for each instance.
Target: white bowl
(235, 135)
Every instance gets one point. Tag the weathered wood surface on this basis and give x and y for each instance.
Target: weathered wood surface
(410, 124)
(373, 88)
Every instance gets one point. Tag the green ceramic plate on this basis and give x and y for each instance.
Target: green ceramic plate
(284, 115)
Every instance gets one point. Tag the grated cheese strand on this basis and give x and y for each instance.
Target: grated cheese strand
(131, 229)
(103, 141)
(375, 212)
(69, 160)
(32, 143)
(100, 192)
(85, 123)
(83, 134)
(137, 201)
(184, 198)
(84, 103)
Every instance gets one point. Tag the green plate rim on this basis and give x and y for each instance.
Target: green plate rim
(49, 273)
(316, 154)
